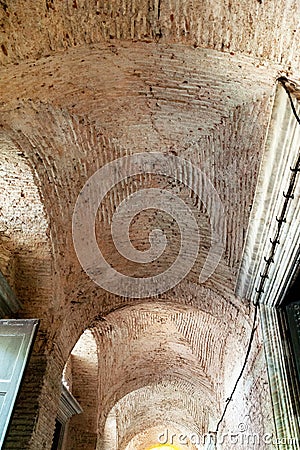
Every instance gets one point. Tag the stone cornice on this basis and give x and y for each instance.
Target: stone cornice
(68, 406)
(281, 151)
(282, 378)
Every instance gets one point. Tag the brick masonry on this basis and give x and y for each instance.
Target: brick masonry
(82, 83)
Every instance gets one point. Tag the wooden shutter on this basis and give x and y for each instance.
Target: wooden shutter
(16, 339)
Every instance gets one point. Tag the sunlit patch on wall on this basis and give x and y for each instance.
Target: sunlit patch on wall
(164, 447)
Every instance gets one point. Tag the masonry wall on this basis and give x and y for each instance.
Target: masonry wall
(32, 422)
(82, 428)
(249, 422)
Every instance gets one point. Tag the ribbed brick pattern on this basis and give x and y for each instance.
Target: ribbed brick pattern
(186, 348)
(170, 401)
(85, 82)
(65, 149)
(262, 29)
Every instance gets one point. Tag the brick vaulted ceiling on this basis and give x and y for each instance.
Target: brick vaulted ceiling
(84, 82)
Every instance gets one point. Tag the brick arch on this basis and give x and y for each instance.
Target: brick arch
(171, 400)
(84, 303)
(183, 307)
(66, 140)
(26, 259)
(74, 110)
(133, 351)
(49, 135)
(92, 310)
(54, 27)
(25, 248)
